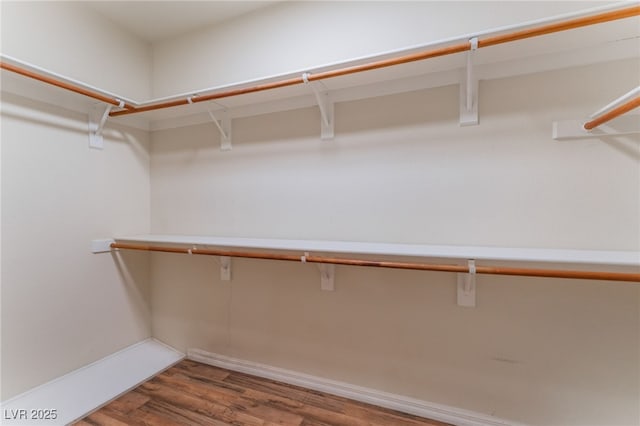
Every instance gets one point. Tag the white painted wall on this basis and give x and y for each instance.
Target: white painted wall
(70, 39)
(301, 35)
(401, 170)
(63, 307)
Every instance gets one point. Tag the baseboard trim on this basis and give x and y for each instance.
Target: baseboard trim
(82, 391)
(456, 416)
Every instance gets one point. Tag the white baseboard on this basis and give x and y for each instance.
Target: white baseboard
(80, 392)
(401, 403)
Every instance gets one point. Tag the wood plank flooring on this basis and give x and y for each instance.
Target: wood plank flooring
(191, 393)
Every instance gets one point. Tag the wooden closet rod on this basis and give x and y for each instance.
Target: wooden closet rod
(622, 109)
(64, 85)
(548, 273)
(442, 51)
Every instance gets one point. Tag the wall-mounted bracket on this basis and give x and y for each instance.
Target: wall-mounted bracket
(101, 246)
(326, 109)
(225, 268)
(469, 90)
(327, 276)
(327, 273)
(222, 120)
(574, 129)
(467, 286)
(97, 118)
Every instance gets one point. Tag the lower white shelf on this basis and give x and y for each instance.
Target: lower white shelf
(592, 257)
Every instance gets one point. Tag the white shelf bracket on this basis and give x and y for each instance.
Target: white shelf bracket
(101, 246)
(467, 286)
(327, 276)
(225, 265)
(326, 109)
(469, 90)
(222, 120)
(225, 268)
(98, 116)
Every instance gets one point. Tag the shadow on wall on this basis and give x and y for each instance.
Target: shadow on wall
(628, 146)
(392, 112)
(55, 117)
(298, 131)
(133, 270)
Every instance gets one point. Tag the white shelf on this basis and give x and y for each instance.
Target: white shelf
(603, 42)
(591, 257)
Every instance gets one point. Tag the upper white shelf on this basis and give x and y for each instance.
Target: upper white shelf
(592, 257)
(602, 42)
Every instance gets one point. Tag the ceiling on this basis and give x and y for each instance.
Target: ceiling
(153, 21)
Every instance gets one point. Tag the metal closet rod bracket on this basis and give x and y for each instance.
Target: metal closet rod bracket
(98, 116)
(223, 261)
(222, 120)
(327, 273)
(469, 89)
(326, 106)
(467, 286)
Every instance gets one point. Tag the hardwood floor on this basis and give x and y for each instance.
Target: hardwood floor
(191, 393)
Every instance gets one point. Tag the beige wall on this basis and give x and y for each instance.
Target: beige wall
(70, 39)
(63, 307)
(299, 35)
(400, 169)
